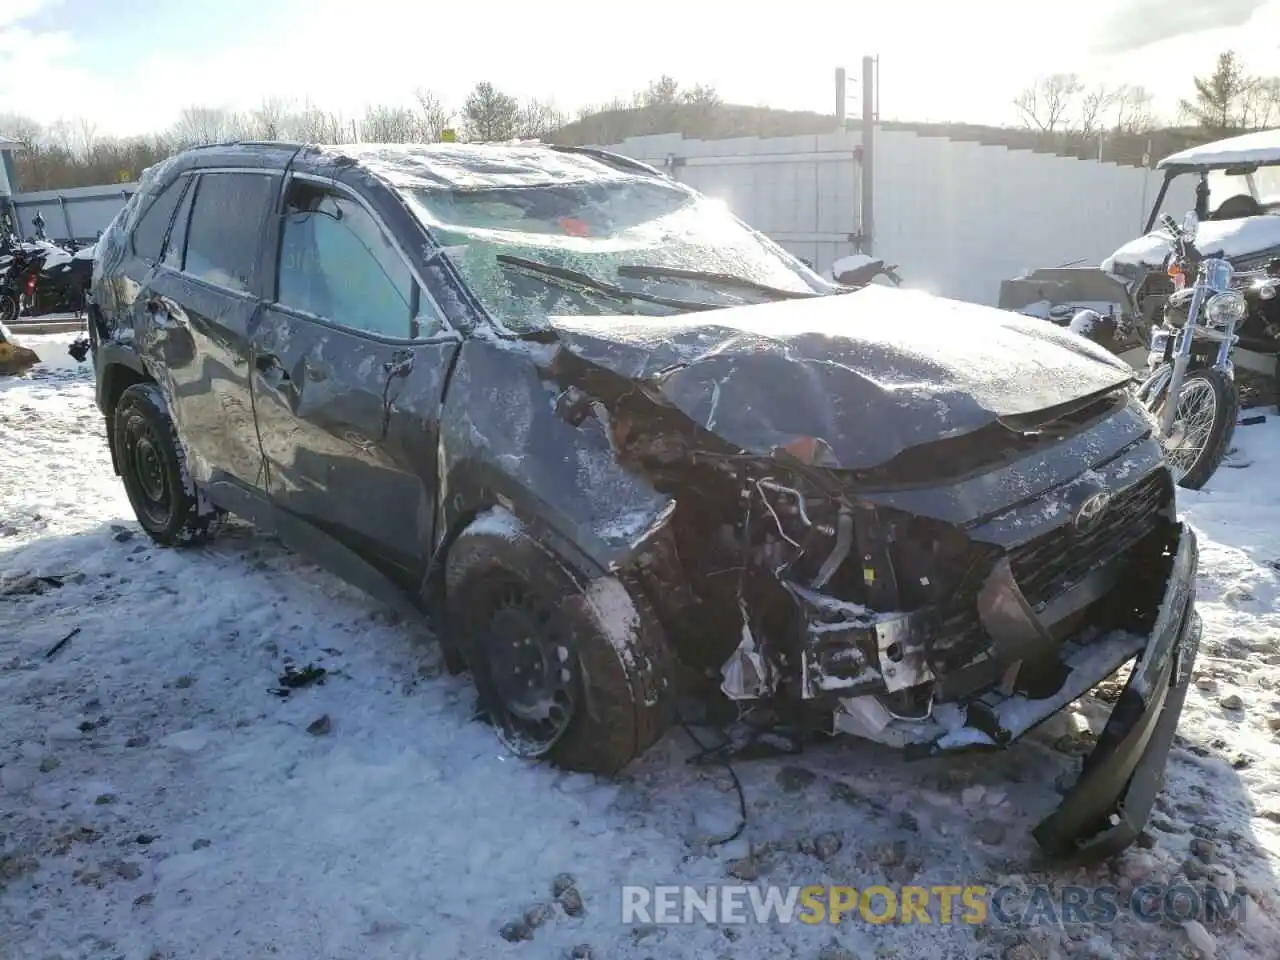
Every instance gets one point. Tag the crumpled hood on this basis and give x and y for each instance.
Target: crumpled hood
(1238, 239)
(872, 373)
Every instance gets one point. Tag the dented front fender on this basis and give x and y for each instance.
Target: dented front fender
(505, 439)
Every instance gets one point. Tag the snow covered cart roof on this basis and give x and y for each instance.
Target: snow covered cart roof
(1261, 148)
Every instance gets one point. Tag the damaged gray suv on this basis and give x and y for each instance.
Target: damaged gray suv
(609, 439)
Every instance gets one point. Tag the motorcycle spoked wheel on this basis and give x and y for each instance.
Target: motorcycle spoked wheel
(1203, 425)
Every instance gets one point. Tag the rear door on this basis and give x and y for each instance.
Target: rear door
(200, 304)
(349, 366)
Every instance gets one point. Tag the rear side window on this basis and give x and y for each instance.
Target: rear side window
(148, 235)
(177, 242)
(226, 226)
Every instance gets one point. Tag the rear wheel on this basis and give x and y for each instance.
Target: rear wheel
(574, 672)
(1203, 425)
(154, 470)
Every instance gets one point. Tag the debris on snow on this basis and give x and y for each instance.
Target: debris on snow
(570, 901)
(294, 679)
(515, 931)
(561, 883)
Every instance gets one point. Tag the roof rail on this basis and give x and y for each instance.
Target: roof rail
(288, 144)
(609, 157)
(284, 144)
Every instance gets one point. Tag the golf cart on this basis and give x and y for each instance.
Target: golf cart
(1237, 214)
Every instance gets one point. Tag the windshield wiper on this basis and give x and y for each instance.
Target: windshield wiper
(642, 271)
(576, 278)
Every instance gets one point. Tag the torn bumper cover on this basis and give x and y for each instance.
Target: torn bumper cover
(1112, 799)
(1110, 803)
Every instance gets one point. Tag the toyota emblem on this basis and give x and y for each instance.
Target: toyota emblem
(1091, 512)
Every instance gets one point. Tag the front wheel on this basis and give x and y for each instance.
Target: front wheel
(571, 671)
(1203, 425)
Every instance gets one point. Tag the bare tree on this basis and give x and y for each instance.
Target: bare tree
(1047, 103)
(25, 130)
(702, 95)
(86, 136)
(1260, 107)
(199, 125)
(1094, 105)
(314, 125)
(388, 125)
(1133, 111)
(60, 135)
(434, 117)
(537, 119)
(268, 120)
(661, 92)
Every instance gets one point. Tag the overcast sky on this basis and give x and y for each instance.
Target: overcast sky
(131, 65)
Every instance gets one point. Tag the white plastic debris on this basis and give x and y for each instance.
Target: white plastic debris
(1201, 939)
(746, 674)
(862, 717)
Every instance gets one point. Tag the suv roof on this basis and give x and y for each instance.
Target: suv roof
(459, 165)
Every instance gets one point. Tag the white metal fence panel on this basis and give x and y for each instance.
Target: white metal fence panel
(957, 217)
(803, 191)
(77, 213)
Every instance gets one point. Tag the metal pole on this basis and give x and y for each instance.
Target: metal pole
(868, 153)
(66, 217)
(842, 102)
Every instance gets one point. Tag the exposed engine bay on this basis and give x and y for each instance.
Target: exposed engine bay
(805, 589)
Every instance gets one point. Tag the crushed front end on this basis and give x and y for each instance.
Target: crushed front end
(948, 601)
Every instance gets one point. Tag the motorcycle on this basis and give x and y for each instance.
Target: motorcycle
(1191, 388)
(42, 277)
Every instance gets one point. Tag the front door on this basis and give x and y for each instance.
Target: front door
(349, 368)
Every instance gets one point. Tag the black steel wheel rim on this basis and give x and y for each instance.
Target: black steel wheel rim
(530, 672)
(146, 460)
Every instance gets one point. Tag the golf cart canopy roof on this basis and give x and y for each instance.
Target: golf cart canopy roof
(1249, 150)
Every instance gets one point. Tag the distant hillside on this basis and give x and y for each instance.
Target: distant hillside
(721, 121)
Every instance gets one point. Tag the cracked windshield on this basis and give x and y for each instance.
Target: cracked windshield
(588, 248)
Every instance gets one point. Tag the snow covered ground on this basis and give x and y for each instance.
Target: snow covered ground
(158, 800)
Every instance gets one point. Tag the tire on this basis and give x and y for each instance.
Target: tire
(154, 469)
(8, 307)
(615, 692)
(1226, 412)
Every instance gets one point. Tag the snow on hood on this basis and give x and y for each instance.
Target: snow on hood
(873, 373)
(1234, 239)
(1260, 147)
